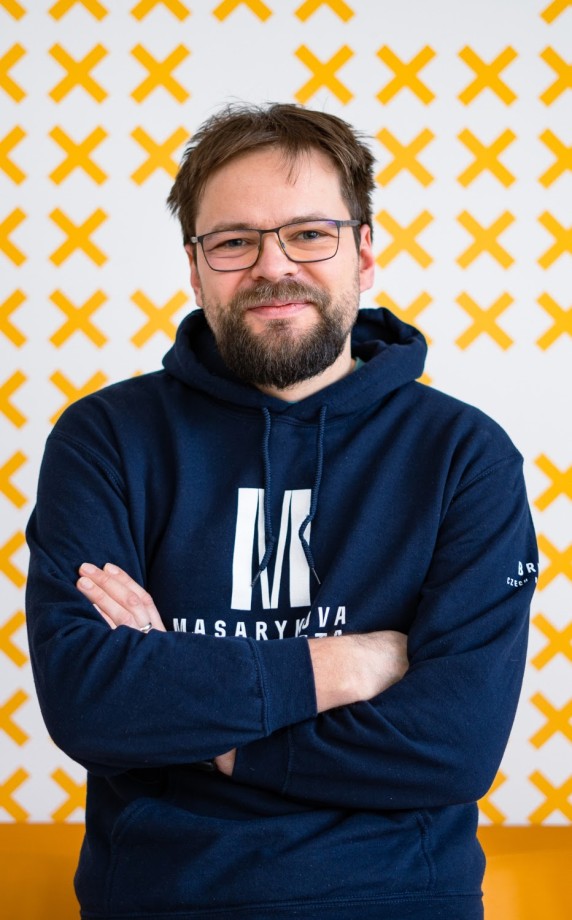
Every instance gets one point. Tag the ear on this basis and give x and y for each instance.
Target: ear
(195, 280)
(366, 259)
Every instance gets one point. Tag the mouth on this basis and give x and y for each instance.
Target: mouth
(279, 308)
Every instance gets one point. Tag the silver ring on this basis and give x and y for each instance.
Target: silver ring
(146, 629)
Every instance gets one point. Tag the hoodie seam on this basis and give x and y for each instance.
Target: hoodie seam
(90, 455)
(483, 474)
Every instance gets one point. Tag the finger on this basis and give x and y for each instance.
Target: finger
(119, 596)
(106, 605)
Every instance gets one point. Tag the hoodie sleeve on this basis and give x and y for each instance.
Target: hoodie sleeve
(117, 699)
(437, 736)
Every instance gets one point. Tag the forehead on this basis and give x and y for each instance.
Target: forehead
(265, 188)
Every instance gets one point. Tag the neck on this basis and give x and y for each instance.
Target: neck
(342, 366)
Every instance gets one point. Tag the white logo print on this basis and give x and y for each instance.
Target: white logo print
(249, 520)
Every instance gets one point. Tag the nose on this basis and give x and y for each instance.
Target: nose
(272, 263)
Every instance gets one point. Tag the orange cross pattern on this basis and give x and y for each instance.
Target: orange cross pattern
(490, 810)
(12, 651)
(406, 75)
(561, 482)
(159, 154)
(7, 724)
(158, 318)
(7, 226)
(7, 144)
(338, 7)
(484, 321)
(485, 239)
(563, 73)
(559, 641)
(78, 237)
(404, 239)
(78, 73)
(159, 73)
(487, 76)
(560, 562)
(405, 157)
(563, 156)
(557, 720)
(7, 390)
(227, 7)
(9, 60)
(144, 7)
(14, 9)
(562, 321)
(554, 9)
(7, 790)
(11, 466)
(407, 314)
(324, 74)
(78, 155)
(486, 158)
(556, 798)
(78, 319)
(7, 327)
(75, 795)
(62, 7)
(7, 566)
(562, 240)
(71, 392)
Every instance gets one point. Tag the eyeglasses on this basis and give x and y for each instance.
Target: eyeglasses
(302, 241)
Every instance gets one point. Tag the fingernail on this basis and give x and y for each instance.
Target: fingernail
(87, 567)
(86, 583)
(112, 569)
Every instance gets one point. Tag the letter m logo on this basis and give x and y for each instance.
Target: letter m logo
(250, 545)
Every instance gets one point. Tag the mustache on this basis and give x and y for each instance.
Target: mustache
(285, 290)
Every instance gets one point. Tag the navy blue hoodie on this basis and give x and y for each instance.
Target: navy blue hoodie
(376, 503)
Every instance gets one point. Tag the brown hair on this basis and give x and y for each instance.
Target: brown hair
(238, 129)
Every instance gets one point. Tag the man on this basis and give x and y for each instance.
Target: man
(266, 520)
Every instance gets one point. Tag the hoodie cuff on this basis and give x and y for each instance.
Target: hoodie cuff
(287, 679)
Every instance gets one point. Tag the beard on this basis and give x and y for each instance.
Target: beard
(281, 356)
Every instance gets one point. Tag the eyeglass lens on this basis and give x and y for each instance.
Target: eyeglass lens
(303, 242)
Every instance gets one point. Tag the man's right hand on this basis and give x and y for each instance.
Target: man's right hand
(350, 669)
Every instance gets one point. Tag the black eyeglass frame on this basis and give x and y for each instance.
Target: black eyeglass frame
(276, 230)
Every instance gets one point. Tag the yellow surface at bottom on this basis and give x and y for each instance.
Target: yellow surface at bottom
(528, 874)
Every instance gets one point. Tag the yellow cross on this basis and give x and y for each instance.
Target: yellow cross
(486, 157)
(557, 720)
(78, 73)
(562, 321)
(62, 7)
(227, 7)
(484, 321)
(7, 566)
(7, 327)
(487, 75)
(405, 157)
(14, 9)
(12, 493)
(7, 144)
(7, 227)
(559, 641)
(485, 239)
(405, 75)
(562, 240)
(554, 9)
(563, 76)
(159, 154)
(563, 156)
(7, 724)
(404, 239)
(78, 237)
(78, 155)
(78, 319)
(159, 73)
(75, 795)
(407, 314)
(144, 7)
(556, 798)
(6, 390)
(7, 790)
(309, 7)
(71, 392)
(8, 61)
(12, 651)
(324, 74)
(561, 482)
(487, 807)
(159, 318)
(560, 562)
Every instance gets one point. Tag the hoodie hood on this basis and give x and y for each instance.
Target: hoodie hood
(392, 351)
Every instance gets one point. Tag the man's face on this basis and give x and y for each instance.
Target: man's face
(280, 322)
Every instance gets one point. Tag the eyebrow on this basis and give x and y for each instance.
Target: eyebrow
(240, 225)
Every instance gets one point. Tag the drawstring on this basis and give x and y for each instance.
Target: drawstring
(270, 538)
(315, 492)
